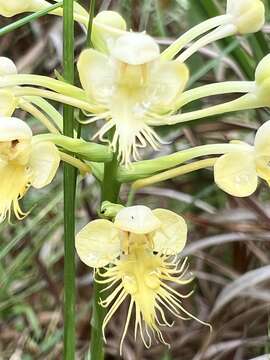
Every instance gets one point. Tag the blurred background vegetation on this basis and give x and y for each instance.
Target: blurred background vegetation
(229, 238)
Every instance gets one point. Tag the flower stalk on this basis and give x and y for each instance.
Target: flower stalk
(169, 174)
(37, 114)
(110, 192)
(146, 168)
(69, 190)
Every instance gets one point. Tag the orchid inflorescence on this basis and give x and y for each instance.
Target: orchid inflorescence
(132, 87)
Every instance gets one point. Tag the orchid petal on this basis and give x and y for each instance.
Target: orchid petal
(171, 237)
(167, 82)
(96, 75)
(44, 162)
(235, 173)
(12, 128)
(137, 219)
(98, 243)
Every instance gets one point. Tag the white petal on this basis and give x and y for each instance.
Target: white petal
(135, 49)
(12, 128)
(137, 219)
(98, 243)
(44, 162)
(235, 173)
(171, 237)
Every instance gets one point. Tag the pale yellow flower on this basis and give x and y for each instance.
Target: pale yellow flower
(23, 163)
(237, 173)
(138, 251)
(130, 86)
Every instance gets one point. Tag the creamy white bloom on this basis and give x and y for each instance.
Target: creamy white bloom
(237, 173)
(130, 87)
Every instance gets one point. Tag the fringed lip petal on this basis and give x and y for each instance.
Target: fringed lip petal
(15, 180)
(171, 237)
(12, 128)
(235, 173)
(137, 219)
(44, 162)
(96, 75)
(98, 243)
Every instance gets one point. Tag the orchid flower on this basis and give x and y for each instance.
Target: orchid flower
(23, 163)
(134, 87)
(139, 252)
(130, 85)
(237, 172)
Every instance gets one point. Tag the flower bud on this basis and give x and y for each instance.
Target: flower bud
(110, 210)
(107, 27)
(9, 8)
(248, 15)
(7, 66)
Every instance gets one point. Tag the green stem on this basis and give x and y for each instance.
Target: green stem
(48, 109)
(69, 192)
(110, 192)
(146, 168)
(64, 99)
(192, 34)
(43, 81)
(38, 115)
(79, 147)
(169, 174)
(28, 19)
(90, 24)
(78, 164)
(226, 87)
(245, 102)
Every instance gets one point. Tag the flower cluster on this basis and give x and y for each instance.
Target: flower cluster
(130, 85)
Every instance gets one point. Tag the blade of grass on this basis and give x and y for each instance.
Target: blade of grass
(69, 191)
(28, 19)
